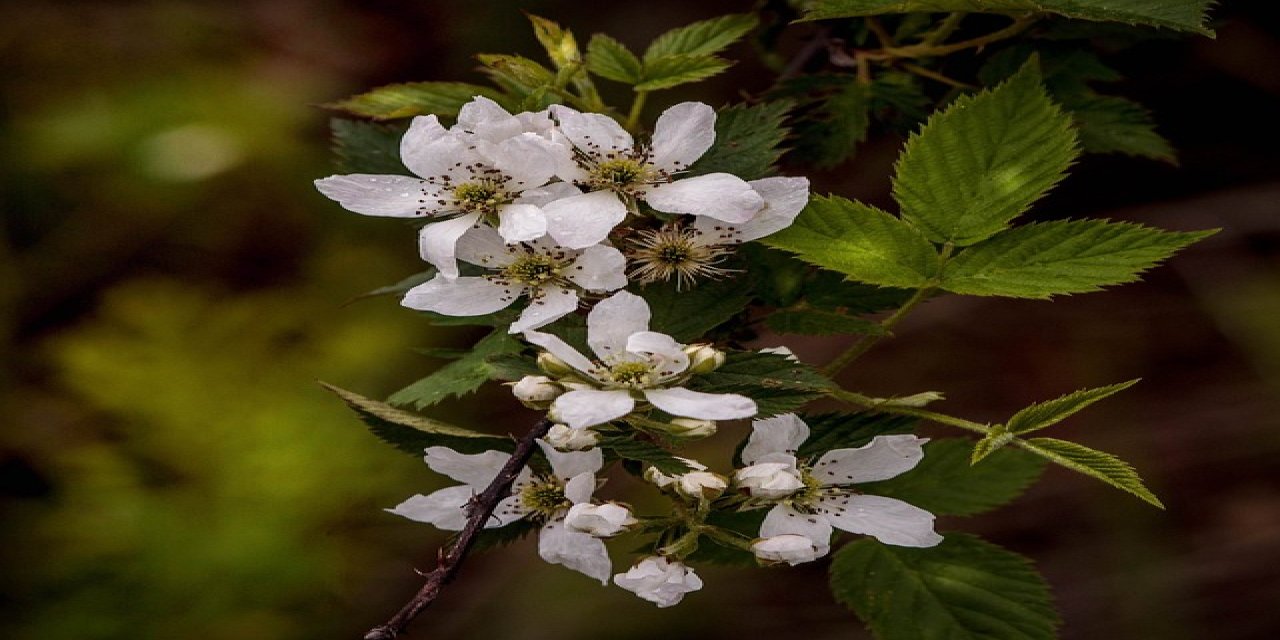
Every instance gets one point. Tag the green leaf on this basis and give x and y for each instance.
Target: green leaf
(829, 290)
(561, 46)
(512, 366)
(859, 241)
(701, 38)
(777, 277)
(629, 448)
(412, 433)
(835, 129)
(1045, 414)
(817, 322)
(849, 430)
(412, 99)
(670, 71)
(517, 69)
(945, 483)
(776, 383)
(611, 59)
(459, 377)
(367, 147)
(983, 160)
(1107, 124)
(1094, 463)
(712, 550)
(398, 288)
(748, 141)
(1061, 257)
(689, 314)
(1183, 15)
(962, 589)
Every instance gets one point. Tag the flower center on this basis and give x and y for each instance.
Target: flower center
(532, 269)
(481, 195)
(619, 174)
(544, 498)
(631, 374)
(675, 252)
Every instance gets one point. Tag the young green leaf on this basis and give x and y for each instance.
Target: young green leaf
(561, 46)
(1183, 15)
(849, 430)
(413, 99)
(983, 160)
(962, 589)
(367, 147)
(611, 59)
(748, 141)
(1061, 257)
(459, 377)
(861, 242)
(817, 322)
(412, 433)
(688, 314)
(944, 483)
(1094, 463)
(776, 383)
(670, 71)
(1045, 414)
(701, 38)
(629, 448)
(517, 69)
(1107, 124)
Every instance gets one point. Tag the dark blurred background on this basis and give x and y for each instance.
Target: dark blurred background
(171, 287)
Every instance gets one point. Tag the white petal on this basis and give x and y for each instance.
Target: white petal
(888, 520)
(460, 297)
(599, 268)
(594, 133)
(509, 509)
(779, 434)
(580, 221)
(375, 195)
(579, 488)
(483, 246)
(521, 222)
(549, 193)
(488, 119)
(613, 320)
(589, 407)
(446, 508)
(526, 159)
(671, 358)
(477, 469)
(560, 349)
(682, 134)
(784, 198)
(579, 551)
(882, 458)
(706, 406)
(438, 242)
(783, 520)
(553, 304)
(719, 195)
(432, 152)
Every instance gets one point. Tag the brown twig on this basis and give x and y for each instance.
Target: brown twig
(479, 510)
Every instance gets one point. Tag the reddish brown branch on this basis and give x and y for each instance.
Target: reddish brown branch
(480, 509)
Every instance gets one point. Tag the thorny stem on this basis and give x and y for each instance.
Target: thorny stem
(479, 510)
(637, 106)
(855, 398)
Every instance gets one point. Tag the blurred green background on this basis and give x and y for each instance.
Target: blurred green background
(171, 287)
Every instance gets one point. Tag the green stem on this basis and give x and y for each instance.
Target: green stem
(637, 106)
(947, 27)
(855, 398)
(929, 50)
(864, 343)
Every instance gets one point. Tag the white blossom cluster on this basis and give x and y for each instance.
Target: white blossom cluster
(558, 208)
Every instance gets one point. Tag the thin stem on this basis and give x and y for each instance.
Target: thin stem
(820, 41)
(947, 27)
(637, 106)
(855, 398)
(479, 510)
(882, 36)
(927, 50)
(864, 343)
(934, 75)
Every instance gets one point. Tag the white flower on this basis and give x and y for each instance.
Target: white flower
(634, 364)
(566, 438)
(697, 484)
(691, 252)
(607, 162)
(602, 521)
(790, 548)
(659, 580)
(823, 498)
(550, 277)
(489, 168)
(542, 499)
(536, 389)
(663, 480)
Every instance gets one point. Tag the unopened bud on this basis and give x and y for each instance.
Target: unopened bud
(703, 358)
(553, 366)
(688, 428)
(601, 521)
(566, 438)
(536, 389)
(663, 480)
(701, 485)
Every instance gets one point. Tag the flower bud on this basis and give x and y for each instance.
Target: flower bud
(790, 548)
(553, 366)
(566, 438)
(663, 480)
(701, 485)
(601, 521)
(536, 389)
(785, 352)
(689, 428)
(703, 358)
(659, 580)
(770, 480)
